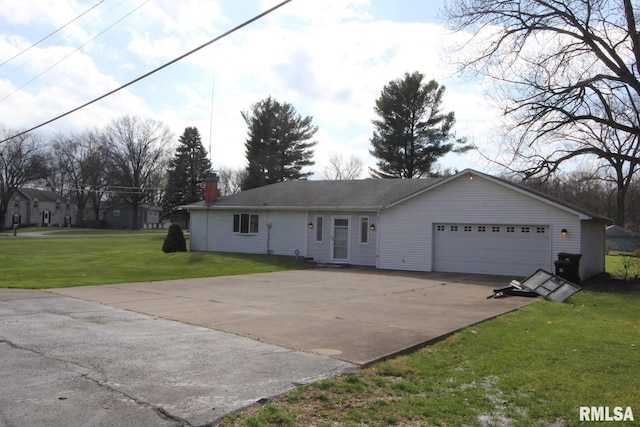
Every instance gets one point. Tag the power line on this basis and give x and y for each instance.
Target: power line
(56, 31)
(223, 35)
(17, 68)
(74, 51)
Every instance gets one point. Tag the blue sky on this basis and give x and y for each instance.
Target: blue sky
(329, 58)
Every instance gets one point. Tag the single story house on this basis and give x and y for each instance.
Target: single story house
(470, 222)
(621, 239)
(34, 207)
(120, 216)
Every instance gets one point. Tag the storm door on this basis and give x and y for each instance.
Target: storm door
(341, 241)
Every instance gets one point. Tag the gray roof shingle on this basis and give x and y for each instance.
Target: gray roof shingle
(41, 195)
(364, 194)
(361, 194)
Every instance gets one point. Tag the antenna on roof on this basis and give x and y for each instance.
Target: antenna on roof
(213, 86)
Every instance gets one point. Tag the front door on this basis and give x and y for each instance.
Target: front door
(340, 236)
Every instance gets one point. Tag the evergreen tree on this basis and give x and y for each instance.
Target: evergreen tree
(175, 241)
(186, 170)
(411, 132)
(278, 143)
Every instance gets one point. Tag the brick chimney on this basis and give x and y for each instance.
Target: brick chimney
(210, 187)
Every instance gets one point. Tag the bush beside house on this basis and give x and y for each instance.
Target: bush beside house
(175, 241)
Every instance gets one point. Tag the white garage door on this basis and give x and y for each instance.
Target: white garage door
(516, 250)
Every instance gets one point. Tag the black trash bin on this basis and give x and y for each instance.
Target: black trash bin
(568, 266)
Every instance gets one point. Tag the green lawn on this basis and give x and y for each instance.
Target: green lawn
(533, 367)
(37, 263)
(623, 265)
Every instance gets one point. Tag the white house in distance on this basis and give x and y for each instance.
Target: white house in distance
(469, 222)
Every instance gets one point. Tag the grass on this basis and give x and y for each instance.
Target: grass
(623, 264)
(532, 367)
(51, 262)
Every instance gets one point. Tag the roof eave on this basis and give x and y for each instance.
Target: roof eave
(285, 208)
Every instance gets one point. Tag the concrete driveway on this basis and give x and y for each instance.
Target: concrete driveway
(115, 355)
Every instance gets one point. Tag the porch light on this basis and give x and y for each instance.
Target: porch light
(373, 227)
(310, 226)
(564, 232)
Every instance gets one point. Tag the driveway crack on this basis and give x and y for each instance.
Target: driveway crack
(161, 412)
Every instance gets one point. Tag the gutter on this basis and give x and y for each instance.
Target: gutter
(288, 208)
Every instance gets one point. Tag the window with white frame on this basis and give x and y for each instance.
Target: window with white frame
(246, 223)
(364, 230)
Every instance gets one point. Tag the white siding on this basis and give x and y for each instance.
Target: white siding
(593, 248)
(360, 254)
(197, 232)
(280, 233)
(406, 230)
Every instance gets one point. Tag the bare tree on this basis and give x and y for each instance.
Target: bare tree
(81, 160)
(230, 180)
(556, 62)
(615, 157)
(21, 160)
(340, 168)
(138, 155)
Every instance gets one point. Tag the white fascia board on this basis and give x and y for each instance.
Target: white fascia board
(290, 208)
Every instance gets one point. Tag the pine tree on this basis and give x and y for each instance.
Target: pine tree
(278, 143)
(411, 132)
(187, 168)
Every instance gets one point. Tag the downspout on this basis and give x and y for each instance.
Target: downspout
(268, 235)
(206, 233)
(269, 238)
(379, 227)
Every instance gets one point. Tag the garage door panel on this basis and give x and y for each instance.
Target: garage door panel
(491, 249)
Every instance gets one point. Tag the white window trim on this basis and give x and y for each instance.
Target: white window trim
(319, 228)
(367, 231)
(249, 233)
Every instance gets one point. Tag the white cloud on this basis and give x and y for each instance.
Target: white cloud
(329, 58)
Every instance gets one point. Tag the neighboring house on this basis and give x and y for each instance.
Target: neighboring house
(469, 222)
(32, 207)
(620, 239)
(120, 216)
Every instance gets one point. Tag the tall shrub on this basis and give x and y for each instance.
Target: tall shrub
(175, 241)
